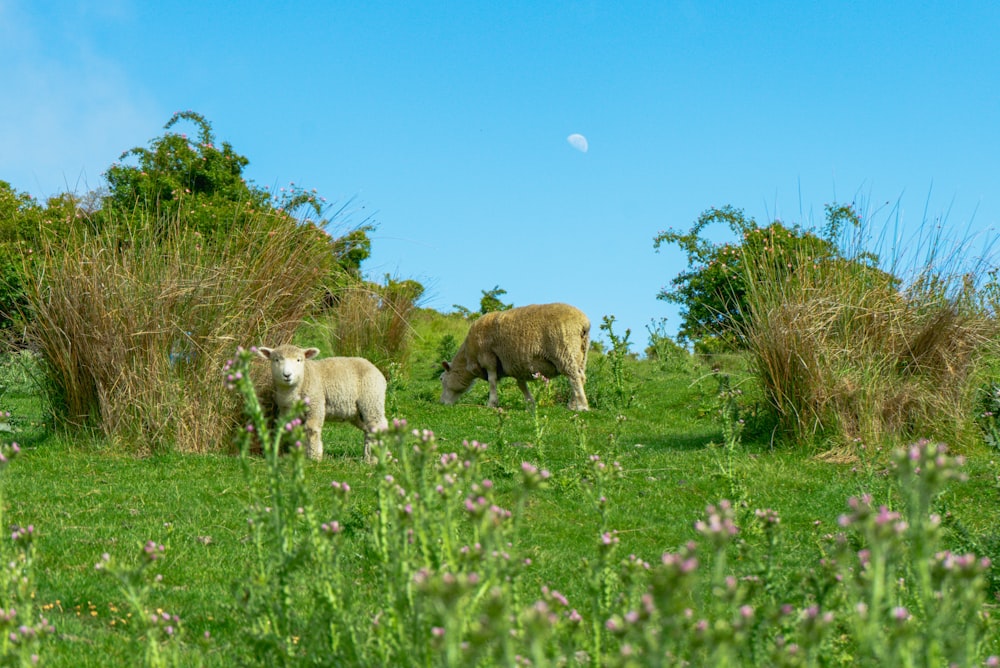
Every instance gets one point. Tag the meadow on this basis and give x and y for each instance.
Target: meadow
(223, 559)
(805, 476)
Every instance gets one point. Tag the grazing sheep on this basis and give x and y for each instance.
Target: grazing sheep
(546, 339)
(348, 389)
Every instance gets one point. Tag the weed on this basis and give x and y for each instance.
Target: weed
(664, 350)
(611, 381)
(23, 632)
(988, 414)
(733, 424)
(161, 630)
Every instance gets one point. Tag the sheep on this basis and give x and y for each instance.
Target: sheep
(546, 339)
(347, 389)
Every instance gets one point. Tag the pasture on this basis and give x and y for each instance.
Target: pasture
(260, 560)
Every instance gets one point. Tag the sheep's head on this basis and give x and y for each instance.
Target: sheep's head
(288, 363)
(454, 383)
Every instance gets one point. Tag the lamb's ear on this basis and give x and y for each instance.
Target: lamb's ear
(264, 352)
(311, 352)
(446, 365)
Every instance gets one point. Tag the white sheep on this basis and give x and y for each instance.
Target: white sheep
(347, 389)
(546, 339)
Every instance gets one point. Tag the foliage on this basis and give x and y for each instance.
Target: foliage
(489, 303)
(175, 168)
(24, 630)
(664, 349)
(449, 579)
(619, 533)
(712, 290)
(202, 185)
(623, 394)
(439, 549)
(446, 350)
(130, 297)
(160, 632)
(988, 414)
(610, 382)
(24, 226)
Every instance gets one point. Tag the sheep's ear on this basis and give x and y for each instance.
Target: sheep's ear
(447, 367)
(311, 352)
(264, 352)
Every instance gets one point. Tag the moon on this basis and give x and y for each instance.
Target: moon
(578, 141)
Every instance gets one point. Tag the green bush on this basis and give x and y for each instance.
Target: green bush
(712, 291)
(24, 225)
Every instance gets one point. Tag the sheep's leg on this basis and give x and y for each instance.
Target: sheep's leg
(523, 384)
(578, 402)
(369, 439)
(491, 376)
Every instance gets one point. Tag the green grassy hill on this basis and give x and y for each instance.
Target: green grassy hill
(85, 497)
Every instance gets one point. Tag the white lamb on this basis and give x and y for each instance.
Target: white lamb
(347, 389)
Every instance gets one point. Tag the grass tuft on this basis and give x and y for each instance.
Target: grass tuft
(134, 331)
(844, 353)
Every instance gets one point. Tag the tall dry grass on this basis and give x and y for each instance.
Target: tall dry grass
(373, 321)
(846, 352)
(134, 330)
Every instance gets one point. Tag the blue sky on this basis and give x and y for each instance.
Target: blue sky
(447, 121)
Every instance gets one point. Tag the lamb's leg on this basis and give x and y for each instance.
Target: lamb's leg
(371, 427)
(369, 457)
(314, 435)
(314, 444)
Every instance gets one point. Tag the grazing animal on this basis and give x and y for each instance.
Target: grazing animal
(347, 389)
(546, 339)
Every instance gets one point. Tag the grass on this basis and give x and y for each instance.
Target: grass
(88, 496)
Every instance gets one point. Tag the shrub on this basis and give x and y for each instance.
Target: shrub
(24, 224)
(489, 303)
(664, 350)
(712, 291)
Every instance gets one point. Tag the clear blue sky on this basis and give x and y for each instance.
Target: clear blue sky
(448, 122)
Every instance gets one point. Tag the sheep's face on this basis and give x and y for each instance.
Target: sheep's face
(453, 385)
(288, 363)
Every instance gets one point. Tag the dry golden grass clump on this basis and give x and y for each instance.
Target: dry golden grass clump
(842, 352)
(372, 321)
(134, 331)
